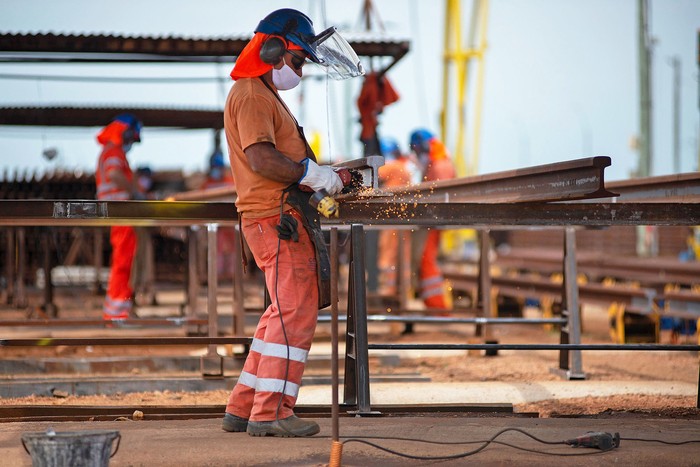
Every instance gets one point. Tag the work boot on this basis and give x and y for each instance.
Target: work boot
(234, 424)
(286, 428)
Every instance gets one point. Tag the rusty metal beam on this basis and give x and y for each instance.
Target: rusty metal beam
(650, 271)
(106, 48)
(519, 214)
(562, 181)
(524, 287)
(96, 116)
(677, 188)
(159, 213)
(103, 213)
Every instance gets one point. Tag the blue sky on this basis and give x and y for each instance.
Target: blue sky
(561, 79)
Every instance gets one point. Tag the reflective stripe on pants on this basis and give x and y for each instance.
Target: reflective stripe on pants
(262, 381)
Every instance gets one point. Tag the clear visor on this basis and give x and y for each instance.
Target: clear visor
(334, 53)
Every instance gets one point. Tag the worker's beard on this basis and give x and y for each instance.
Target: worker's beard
(285, 78)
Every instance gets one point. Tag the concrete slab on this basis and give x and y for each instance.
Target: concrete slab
(203, 443)
(497, 392)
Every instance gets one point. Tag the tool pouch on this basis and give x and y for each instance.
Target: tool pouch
(311, 219)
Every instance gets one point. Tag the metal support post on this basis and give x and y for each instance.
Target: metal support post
(48, 307)
(21, 296)
(570, 360)
(484, 287)
(10, 266)
(356, 351)
(212, 364)
(192, 274)
(335, 409)
(97, 259)
(238, 279)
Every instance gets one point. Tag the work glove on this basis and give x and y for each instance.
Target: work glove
(317, 177)
(287, 228)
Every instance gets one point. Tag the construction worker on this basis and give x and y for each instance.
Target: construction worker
(115, 181)
(399, 170)
(218, 176)
(436, 165)
(270, 158)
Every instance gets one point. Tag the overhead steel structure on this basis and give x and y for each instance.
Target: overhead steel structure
(95, 116)
(79, 48)
(98, 48)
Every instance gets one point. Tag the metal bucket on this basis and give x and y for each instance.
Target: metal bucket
(71, 449)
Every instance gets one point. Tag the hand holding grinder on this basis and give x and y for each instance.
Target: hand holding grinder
(325, 182)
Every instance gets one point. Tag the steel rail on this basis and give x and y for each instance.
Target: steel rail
(530, 287)
(182, 213)
(561, 181)
(55, 413)
(650, 274)
(677, 188)
(519, 214)
(105, 213)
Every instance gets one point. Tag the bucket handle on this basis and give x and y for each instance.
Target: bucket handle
(25, 447)
(119, 439)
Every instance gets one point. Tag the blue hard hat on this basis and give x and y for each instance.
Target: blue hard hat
(420, 138)
(134, 123)
(216, 160)
(389, 146)
(294, 26)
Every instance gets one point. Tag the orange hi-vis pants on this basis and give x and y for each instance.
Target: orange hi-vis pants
(431, 281)
(118, 302)
(274, 366)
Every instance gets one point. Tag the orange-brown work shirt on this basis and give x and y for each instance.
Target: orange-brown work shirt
(254, 115)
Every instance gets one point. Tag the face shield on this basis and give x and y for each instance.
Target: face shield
(334, 53)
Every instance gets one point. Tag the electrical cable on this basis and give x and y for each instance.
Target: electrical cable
(652, 440)
(485, 444)
(279, 311)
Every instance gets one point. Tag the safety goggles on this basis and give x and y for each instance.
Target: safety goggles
(297, 60)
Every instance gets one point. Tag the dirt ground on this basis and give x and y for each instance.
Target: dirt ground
(507, 366)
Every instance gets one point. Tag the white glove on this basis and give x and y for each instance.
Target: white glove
(317, 177)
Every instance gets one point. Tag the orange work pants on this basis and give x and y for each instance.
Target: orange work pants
(275, 365)
(387, 261)
(431, 280)
(118, 302)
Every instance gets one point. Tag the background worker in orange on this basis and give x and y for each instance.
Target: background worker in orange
(269, 156)
(434, 158)
(399, 170)
(218, 176)
(115, 181)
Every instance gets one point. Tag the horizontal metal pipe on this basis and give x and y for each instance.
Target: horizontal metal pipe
(102, 323)
(634, 347)
(51, 341)
(452, 320)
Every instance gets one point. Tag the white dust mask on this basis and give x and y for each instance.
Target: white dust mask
(285, 78)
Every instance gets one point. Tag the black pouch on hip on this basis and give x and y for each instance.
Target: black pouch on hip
(299, 200)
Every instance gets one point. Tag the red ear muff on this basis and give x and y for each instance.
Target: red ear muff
(272, 50)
